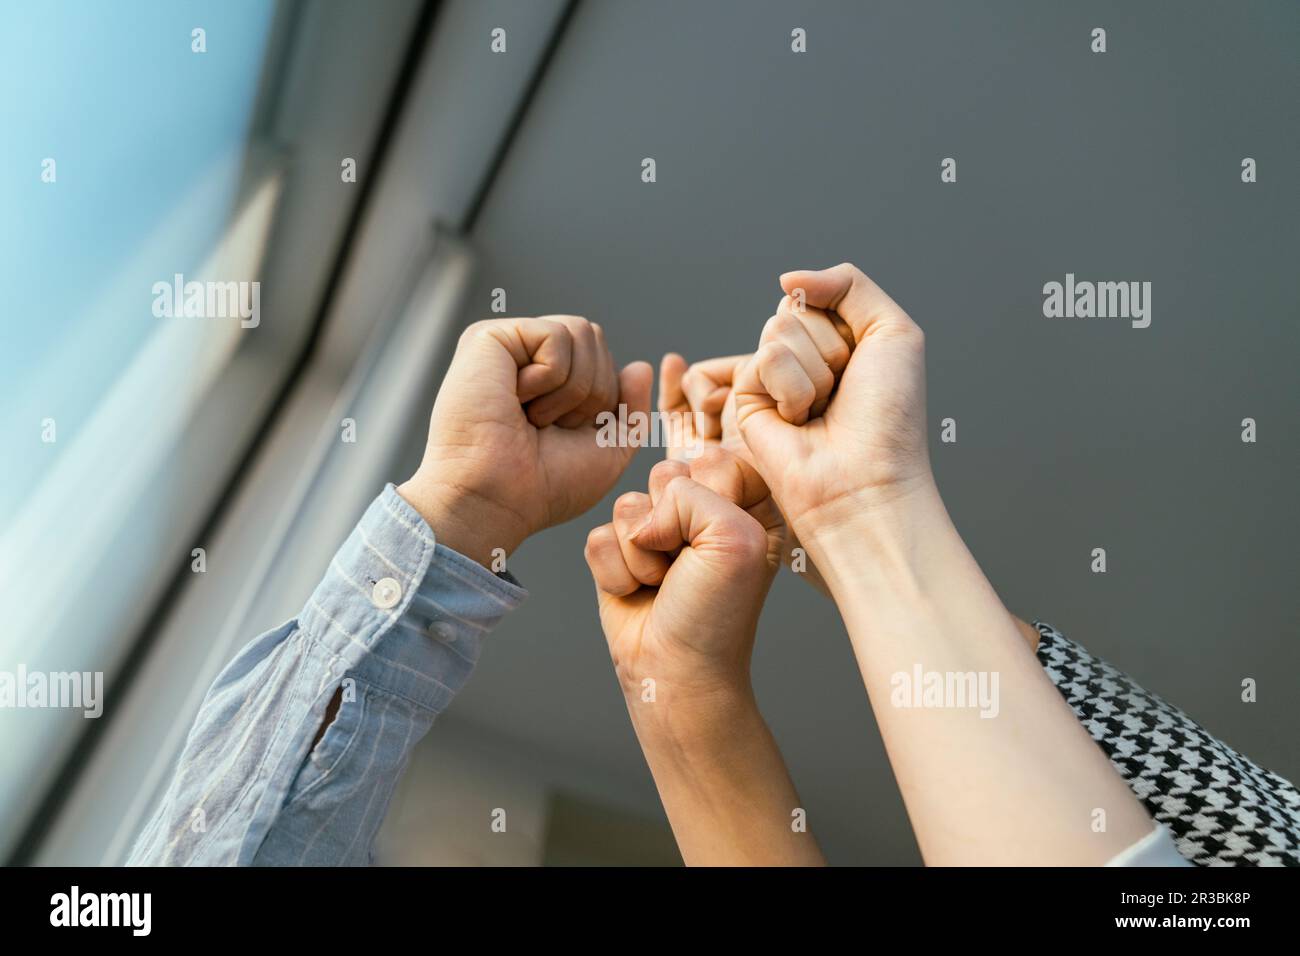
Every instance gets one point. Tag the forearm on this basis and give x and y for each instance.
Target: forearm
(1008, 777)
(723, 783)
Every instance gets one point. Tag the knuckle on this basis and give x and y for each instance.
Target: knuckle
(667, 469)
(629, 505)
(838, 353)
(679, 484)
(778, 324)
(785, 321)
(579, 328)
(476, 329)
(597, 539)
(770, 353)
(557, 327)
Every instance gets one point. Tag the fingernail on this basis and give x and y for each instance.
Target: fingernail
(645, 525)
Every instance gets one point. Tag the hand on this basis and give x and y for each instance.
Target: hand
(512, 441)
(681, 574)
(869, 446)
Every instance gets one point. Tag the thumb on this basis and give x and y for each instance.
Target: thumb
(634, 384)
(846, 290)
(674, 410)
(671, 369)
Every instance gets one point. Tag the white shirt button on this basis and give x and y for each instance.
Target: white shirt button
(442, 631)
(386, 593)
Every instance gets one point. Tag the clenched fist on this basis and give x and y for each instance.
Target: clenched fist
(512, 442)
(681, 574)
(868, 446)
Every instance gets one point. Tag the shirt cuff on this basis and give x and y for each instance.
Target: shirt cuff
(1157, 848)
(403, 612)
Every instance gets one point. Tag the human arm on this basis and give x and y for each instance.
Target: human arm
(295, 751)
(1022, 785)
(681, 574)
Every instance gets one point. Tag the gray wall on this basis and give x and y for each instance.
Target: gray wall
(1072, 434)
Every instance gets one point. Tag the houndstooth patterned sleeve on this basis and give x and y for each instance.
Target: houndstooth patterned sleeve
(1222, 808)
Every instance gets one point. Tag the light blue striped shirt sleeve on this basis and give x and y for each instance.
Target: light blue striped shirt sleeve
(395, 627)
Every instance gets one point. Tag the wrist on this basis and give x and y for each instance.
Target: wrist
(881, 504)
(879, 541)
(895, 571)
(462, 521)
(691, 721)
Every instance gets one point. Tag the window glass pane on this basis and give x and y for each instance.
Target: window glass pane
(123, 153)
